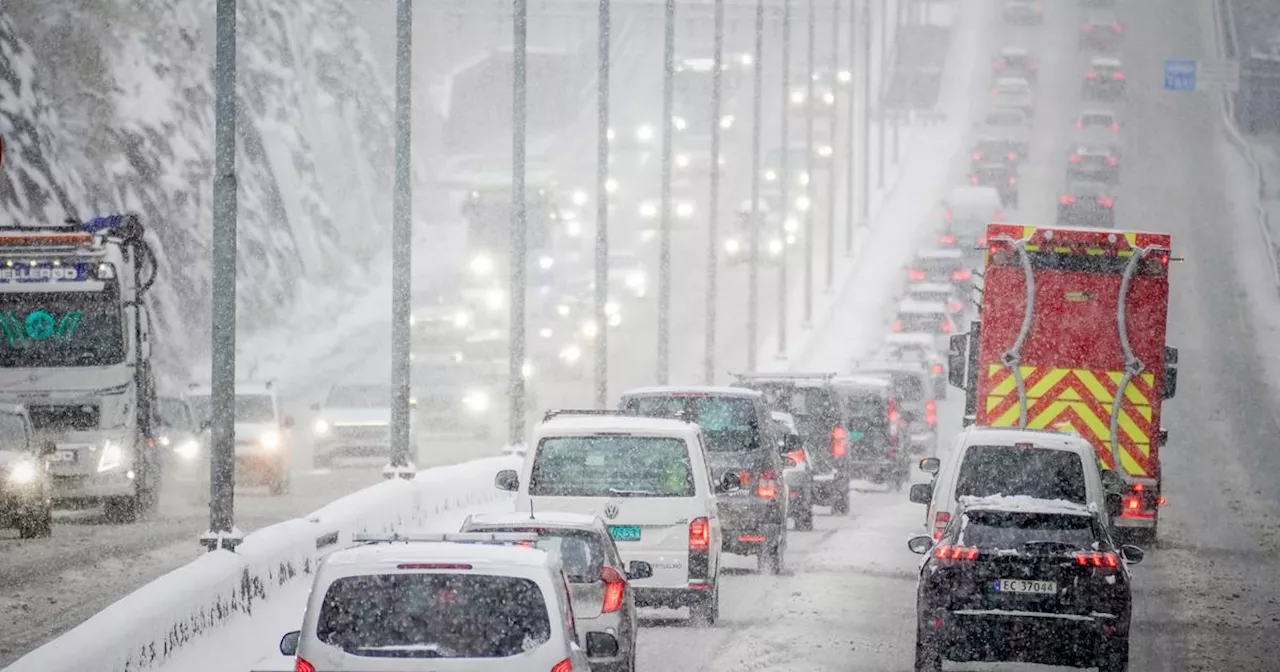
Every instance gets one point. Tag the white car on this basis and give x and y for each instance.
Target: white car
(928, 317)
(431, 601)
(355, 421)
(263, 433)
(1012, 462)
(648, 478)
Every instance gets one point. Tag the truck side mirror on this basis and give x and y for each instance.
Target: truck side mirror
(930, 465)
(1170, 372)
(957, 357)
(507, 480)
(289, 643)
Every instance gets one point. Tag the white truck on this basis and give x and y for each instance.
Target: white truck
(75, 350)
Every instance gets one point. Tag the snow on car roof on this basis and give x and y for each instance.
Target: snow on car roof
(1000, 436)
(1024, 504)
(862, 380)
(949, 253)
(922, 307)
(716, 390)
(930, 288)
(539, 518)
(493, 555)
(925, 340)
(1014, 51)
(621, 422)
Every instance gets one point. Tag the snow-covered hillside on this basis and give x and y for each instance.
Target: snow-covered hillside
(107, 105)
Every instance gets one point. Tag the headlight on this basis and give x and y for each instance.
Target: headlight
(684, 210)
(23, 473)
(545, 332)
(112, 456)
(462, 320)
(611, 185)
(647, 235)
(590, 329)
(495, 299)
(791, 224)
(526, 370)
(732, 246)
(770, 175)
(679, 123)
(682, 160)
(611, 308)
(797, 97)
(635, 279)
(165, 441)
(321, 427)
(270, 440)
(644, 133)
(476, 402)
(747, 60)
(829, 98)
(579, 197)
(648, 210)
(571, 354)
(573, 229)
(802, 203)
(188, 450)
(614, 320)
(610, 135)
(412, 320)
(726, 121)
(775, 247)
(545, 263)
(791, 239)
(845, 76)
(825, 151)
(562, 310)
(803, 178)
(482, 265)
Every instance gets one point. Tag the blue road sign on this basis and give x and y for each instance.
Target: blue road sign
(1179, 75)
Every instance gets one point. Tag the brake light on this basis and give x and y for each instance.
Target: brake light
(973, 179)
(931, 408)
(955, 307)
(1113, 161)
(1012, 156)
(699, 535)
(303, 666)
(1033, 66)
(983, 240)
(896, 326)
(946, 327)
(998, 65)
(767, 488)
(1132, 503)
(1106, 201)
(916, 274)
(839, 442)
(796, 456)
(1067, 200)
(960, 275)
(615, 587)
(1106, 560)
(744, 478)
(565, 665)
(1115, 126)
(1076, 158)
(947, 239)
(1013, 179)
(1117, 29)
(956, 553)
(1118, 76)
(946, 215)
(1138, 487)
(940, 520)
(1091, 75)
(977, 156)
(1086, 28)
(1079, 125)
(893, 412)
(937, 371)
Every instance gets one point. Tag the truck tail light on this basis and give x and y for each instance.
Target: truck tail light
(303, 666)
(839, 442)
(940, 520)
(767, 486)
(699, 535)
(931, 411)
(615, 588)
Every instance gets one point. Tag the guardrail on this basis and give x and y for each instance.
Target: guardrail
(1228, 47)
(146, 628)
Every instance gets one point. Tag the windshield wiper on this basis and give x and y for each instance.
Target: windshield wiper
(617, 492)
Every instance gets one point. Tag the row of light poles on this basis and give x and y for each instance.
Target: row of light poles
(222, 463)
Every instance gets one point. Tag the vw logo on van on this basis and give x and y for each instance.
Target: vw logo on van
(611, 511)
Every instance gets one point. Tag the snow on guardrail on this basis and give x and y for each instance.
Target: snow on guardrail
(145, 628)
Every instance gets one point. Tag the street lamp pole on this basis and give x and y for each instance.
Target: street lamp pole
(713, 207)
(810, 166)
(516, 262)
(834, 134)
(753, 278)
(784, 174)
(664, 230)
(401, 464)
(602, 205)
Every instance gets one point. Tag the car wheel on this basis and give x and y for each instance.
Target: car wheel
(38, 526)
(706, 611)
(804, 516)
(1114, 656)
(928, 656)
(772, 559)
(121, 510)
(840, 499)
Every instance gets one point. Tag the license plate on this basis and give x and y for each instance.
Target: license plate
(624, 532)
(63, 456)
(1026, 586)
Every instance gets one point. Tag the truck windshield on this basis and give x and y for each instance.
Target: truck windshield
(60, 329)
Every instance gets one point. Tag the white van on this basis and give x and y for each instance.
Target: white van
(648, 478)
(988, 461)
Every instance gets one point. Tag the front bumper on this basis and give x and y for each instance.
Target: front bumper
(91, 489)
(992, 635)
(261, 468)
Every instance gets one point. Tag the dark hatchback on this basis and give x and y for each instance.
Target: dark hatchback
(738, 429)
(1029, 581)
(813, 402)
(871, 432)
(916, 405)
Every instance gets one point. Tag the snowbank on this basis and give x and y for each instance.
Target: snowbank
(147, 628)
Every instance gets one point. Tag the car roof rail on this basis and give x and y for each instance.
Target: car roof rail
(784, 375)
(682, 416)
(499, 538)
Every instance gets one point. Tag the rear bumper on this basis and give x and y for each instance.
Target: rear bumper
(751, 539)
(975, 635)
(671, 598)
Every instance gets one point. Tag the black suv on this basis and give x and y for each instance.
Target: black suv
(1034, 581)
(913, 390)
(813, 401)
(740, 438)
(870, 432)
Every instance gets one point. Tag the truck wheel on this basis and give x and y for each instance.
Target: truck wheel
(706, 611)
(772, 557)
(121, 510)
(38, 526)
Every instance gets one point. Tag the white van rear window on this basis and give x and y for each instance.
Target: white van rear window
(612, 466)
(1009, 470)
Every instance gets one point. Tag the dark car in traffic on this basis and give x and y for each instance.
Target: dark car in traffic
(1104, 80)
(1087, 204)
(870, 435)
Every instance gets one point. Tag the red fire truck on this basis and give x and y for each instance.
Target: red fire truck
(1071, 337)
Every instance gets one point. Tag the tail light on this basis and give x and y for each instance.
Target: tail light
(961, 275)
(896, 326)
(1013, 179)
(1076, 158)
(1032, 66)
(955, 307)
(931, 410)
(1067, 200)
(916, 274)
(1118, 76)
(1012, 156)
(796, 456)
(1091, 75)
(937, 371)
(1115, 127)
(1106, 560)
(1086, 28)
(1113, 161)
(947, 239)
(1106, 201)
(744, 478)
(767, 487)
(1133, 503)
(950, 554)
(1079, 125)
(946, 327)
(940, 520)
(565, 665)
(1117, 29)
(894, 415)
(947, 215)
(977, 156)
(973, 179)
(699, 535)
(997, 64)
(615, 587)
(839, 442)
(303, 666)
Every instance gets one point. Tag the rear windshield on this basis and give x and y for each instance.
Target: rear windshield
(1005, 529)
(942, 264)
(433, 616)
(1034, 472)
(919, 321)
(582, 554)
(1096, 119)
(728, 423)
(612, 466)
(796, 400)
(934, 297)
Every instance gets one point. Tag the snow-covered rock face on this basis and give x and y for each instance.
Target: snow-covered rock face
(107, 105)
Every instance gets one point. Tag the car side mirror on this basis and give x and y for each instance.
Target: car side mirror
(1132, 554)
(957, 358)
(46, 448)
(930, 465)
(289, 643)
(920, 544)
(639, 569)
(507, 480)
(921, 493)
(730, 483)
(288, 422)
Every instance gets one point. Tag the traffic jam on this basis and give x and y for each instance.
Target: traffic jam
(1052, 333)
